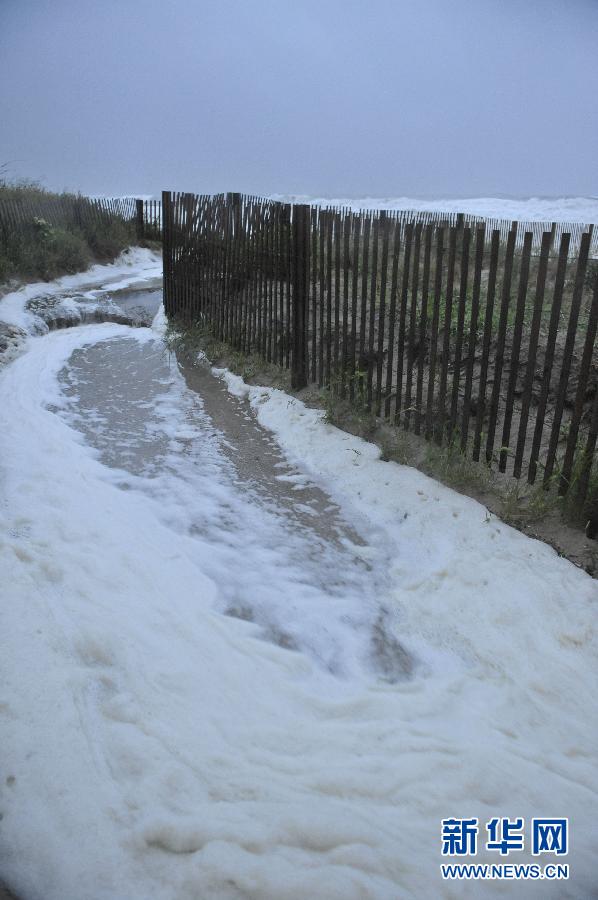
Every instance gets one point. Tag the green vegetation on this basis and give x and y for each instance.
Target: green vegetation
(188, 340)
(38, 248)
(350, 411)
(516, 502)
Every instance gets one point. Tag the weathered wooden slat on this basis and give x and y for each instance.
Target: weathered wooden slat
(321, 295)
(250, 327)
(269, 284)
(262, 288)
(247, 308)
(207, 309)
(532, 351)
(487, 338)
(423, 326)
(473, 334)
(501, 340)
(255, 333)
(345, 310)
(300, 226)
(412, 324)
(407, 245)
(434, 332)
(582, 386)
(369, 360)
(394, 285)
(338, 249)
(329, 246)
(364, 304)
(587, 461)
(237, 272)
(446, 337)
(289, 276)
(315, 273)
(259, 305)
(385, 228)
(240, 312)
(354, 302)
(549, 355)
(557, 415)
(167, 250)
(515, 349)
(465, 234)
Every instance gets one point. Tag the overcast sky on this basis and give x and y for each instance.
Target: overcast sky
(323, 97)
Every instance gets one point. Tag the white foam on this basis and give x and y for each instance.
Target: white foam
(133, 267)
(156, 748)
(531, 209)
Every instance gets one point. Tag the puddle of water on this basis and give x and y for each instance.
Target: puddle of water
(146, 301)
(260, 462)
(283, 558)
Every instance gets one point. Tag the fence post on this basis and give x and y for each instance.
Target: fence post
(78, 211)
(139, 220)
(166, 252)
(233, 199)
(231, 293)
(227, 231)
(300, 281)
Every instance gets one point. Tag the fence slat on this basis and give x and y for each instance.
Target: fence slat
(345, 325)
(369, 360)
(488, 321)
(408, 238)
(321, 298)
(559, 405)
(584, 371)
(515, 348)
(338, 244)
(473, 334)
(364, 304)
(500, 341)
(549, 355)
(446, 337)
(588, 456)
(412, 323)
(434, 332)
(314, 293)
(463, 282)
(329, 245)
(354, 303)
(300, 226)
(380, 350)
(547, 238)
(423, 320)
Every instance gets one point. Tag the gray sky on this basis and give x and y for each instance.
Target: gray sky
(324, 97)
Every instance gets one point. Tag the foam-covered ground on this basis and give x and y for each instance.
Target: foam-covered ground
(73, 299)
(153, 746)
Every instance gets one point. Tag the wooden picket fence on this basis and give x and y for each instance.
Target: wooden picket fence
(481, 335)
(68, 210)
(64, 210)
(149, 219)
(503, 226)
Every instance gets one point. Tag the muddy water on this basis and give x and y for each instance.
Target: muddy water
(142, 303)
(225, 481)
(259, 461)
